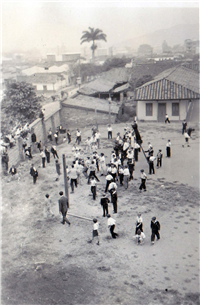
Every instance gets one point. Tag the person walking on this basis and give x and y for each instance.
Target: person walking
(104, 203)
(159, 158)
(93, 184)
(92, 172)
(73, 178)
(43, 156)
(95, 233)
(167, 119)
(151, 165)
(33, 173)
(78, 136)
(143, 181)
(57, 169)
(113, 193)
(155, 228)
(168, 149)
(69, 136)
(109, 131)
(111, 226)
(126, 176)
(109, 179)
(121, 174)
(47, 207)
(54, 151)
(47, 153)
(184, 126)
(63, 207)
(139, 223)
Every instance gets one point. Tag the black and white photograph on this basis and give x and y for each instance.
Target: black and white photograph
(99, 153)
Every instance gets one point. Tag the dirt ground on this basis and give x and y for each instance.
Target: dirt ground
(44, 262)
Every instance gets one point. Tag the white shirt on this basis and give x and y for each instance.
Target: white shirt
(111, 221)
(93, 182)
(143, 176)
(72, 173)
(121, 170)
(109, 177)
(112, 185)
(42, 154)
(152, 158)
(113, 170)
(125, 146)
(126, 172)
(96, 226)
(78, 133)
(168, 144)
(109, 128)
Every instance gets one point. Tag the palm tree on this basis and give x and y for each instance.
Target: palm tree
(92, 35)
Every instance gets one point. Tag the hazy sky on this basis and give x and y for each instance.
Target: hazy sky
(32, 24)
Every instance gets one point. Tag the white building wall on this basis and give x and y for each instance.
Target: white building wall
(141, 110)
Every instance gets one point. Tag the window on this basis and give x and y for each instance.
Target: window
(175, 109)
(149, 109)
(45, 88)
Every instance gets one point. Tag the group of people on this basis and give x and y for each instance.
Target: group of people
(89, 165)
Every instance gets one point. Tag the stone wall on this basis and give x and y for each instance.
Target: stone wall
(40, 128)
(78, 117)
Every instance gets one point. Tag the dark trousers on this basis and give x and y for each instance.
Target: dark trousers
(114, 202)
(78, 140)
(183, 130)
(112, 231)
(72, 183)
(69, 139)
(92, 173)
(139, 227)
(56, 140)
(151, 168)
(55, 155)
(94, 192)
(159, 162)
(121, 177)
(136, 154)
(131, 175)
(143, 184)
(65, 218)
(114, 176)
(107, 185)
(34, 180)
(48, 157)
(43, 162)
(154, 234)
(168, 151)
(167, 120)
(109, 134)
(105, 210)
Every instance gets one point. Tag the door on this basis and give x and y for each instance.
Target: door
(161, 112)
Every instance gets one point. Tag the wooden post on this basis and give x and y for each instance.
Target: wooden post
(65, 178)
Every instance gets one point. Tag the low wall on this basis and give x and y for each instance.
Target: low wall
(78, 117)
(40, 128)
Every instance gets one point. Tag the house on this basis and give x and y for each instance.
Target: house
(46, 83)
(171, 92)
(106, 85)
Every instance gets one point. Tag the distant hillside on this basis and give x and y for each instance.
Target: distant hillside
(174, 35)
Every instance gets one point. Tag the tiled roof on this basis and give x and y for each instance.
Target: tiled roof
(175, 83)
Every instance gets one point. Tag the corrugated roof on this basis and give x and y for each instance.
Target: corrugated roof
(88, 102)
(175, 83)
(121, 88)
(106, 81)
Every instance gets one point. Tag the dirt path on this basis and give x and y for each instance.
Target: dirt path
(44, 262)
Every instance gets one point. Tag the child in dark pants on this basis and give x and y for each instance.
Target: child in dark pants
(143, 181)
(93, 187)
(104, 203)
(155, 228)
(159, 158)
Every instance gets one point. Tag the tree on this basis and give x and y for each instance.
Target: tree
(20, 104)
(93, 35)
(115, 62)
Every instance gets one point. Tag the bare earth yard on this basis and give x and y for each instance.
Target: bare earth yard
(44, 262)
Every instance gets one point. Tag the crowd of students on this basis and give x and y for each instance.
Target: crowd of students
(90, 166)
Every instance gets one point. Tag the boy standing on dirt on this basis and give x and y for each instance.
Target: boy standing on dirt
(159, 158)
(143, 181)
(155, 228)
(95, 233)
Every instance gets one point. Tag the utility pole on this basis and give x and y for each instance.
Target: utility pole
(65, 178)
